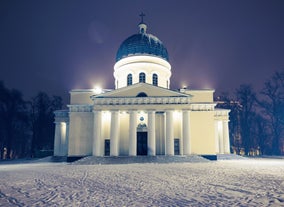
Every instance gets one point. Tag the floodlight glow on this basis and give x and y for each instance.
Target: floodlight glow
(97, 90)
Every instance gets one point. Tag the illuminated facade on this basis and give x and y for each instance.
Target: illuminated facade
(141, 116)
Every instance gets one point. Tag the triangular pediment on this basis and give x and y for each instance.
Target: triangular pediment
(149, 90)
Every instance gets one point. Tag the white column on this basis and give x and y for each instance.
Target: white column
(62, 138)
(67, 139)
(220, 137)
(226, 138)
(114, 133)
(216, 137)
(132, 133)
(151, 133)
(169, 133)
(97, 134)
(57, 139)
(186, 132)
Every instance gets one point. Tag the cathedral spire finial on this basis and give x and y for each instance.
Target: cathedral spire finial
(142, 25)
(142, 15)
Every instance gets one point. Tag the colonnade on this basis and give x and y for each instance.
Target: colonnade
(222, 136)
(61, 138)
(151, 136)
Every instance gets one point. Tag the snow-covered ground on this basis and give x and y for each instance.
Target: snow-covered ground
(251, 182)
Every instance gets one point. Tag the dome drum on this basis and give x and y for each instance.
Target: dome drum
(146, 64)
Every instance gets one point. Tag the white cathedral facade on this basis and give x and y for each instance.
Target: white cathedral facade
(142, 115)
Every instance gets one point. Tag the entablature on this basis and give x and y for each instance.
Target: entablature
(222, 114)
(202, 107)
(141, 100)
(80, 108)
(61, 116)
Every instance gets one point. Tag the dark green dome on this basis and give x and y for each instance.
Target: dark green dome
(142, 44)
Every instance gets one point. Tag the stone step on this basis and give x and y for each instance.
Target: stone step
(230, 157)
(59, 159)
(92, 160)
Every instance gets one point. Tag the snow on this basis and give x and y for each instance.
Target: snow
(247, 182)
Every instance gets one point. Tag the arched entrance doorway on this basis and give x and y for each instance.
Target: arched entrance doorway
(142, 144)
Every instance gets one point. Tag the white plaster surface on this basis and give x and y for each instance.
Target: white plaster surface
(251, 182)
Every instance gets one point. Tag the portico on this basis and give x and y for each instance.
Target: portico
(135, 117)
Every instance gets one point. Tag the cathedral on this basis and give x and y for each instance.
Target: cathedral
(142, 115)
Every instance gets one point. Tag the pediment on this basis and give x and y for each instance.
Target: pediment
(149, 90)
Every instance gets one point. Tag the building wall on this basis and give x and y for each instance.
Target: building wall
(207, 134)
(124, 134)
(208, 127)
(202, 132)
(160, 133)
(80, 134)
(81, 97)
(200, 96)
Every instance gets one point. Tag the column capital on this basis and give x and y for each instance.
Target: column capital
(114, 110)
(185, 110)
(169, 110)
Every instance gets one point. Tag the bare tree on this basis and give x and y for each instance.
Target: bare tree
(42, 107)
(260, 133)
(247, 100)
(273, 105)
(13, 122)
(225, 101)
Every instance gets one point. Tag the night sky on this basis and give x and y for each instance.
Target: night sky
(58, 45)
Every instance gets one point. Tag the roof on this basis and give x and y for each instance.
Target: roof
(142, 44)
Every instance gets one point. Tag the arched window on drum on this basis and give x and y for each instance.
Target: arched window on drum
(155, 79)
(142, 78)
(129, 79)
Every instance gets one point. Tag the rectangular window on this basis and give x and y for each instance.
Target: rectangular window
(107, 147)
(176, 146)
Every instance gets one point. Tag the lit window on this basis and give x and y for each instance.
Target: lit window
(155, 79)
(142, 78)
(129, 79)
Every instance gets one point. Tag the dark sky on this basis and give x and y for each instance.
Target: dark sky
(58, 45)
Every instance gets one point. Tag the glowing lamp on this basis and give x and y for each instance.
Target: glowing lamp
(97, 90)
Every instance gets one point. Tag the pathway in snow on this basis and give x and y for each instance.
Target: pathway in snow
(256, 182)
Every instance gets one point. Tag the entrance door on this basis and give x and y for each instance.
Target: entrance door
(107, 147)
(141, 143)
(176, 144)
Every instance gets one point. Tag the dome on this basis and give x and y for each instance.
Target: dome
(142, 44)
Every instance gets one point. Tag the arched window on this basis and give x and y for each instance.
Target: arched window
(129, 79)
(155, 79)
(141, 94)
(142, 78)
